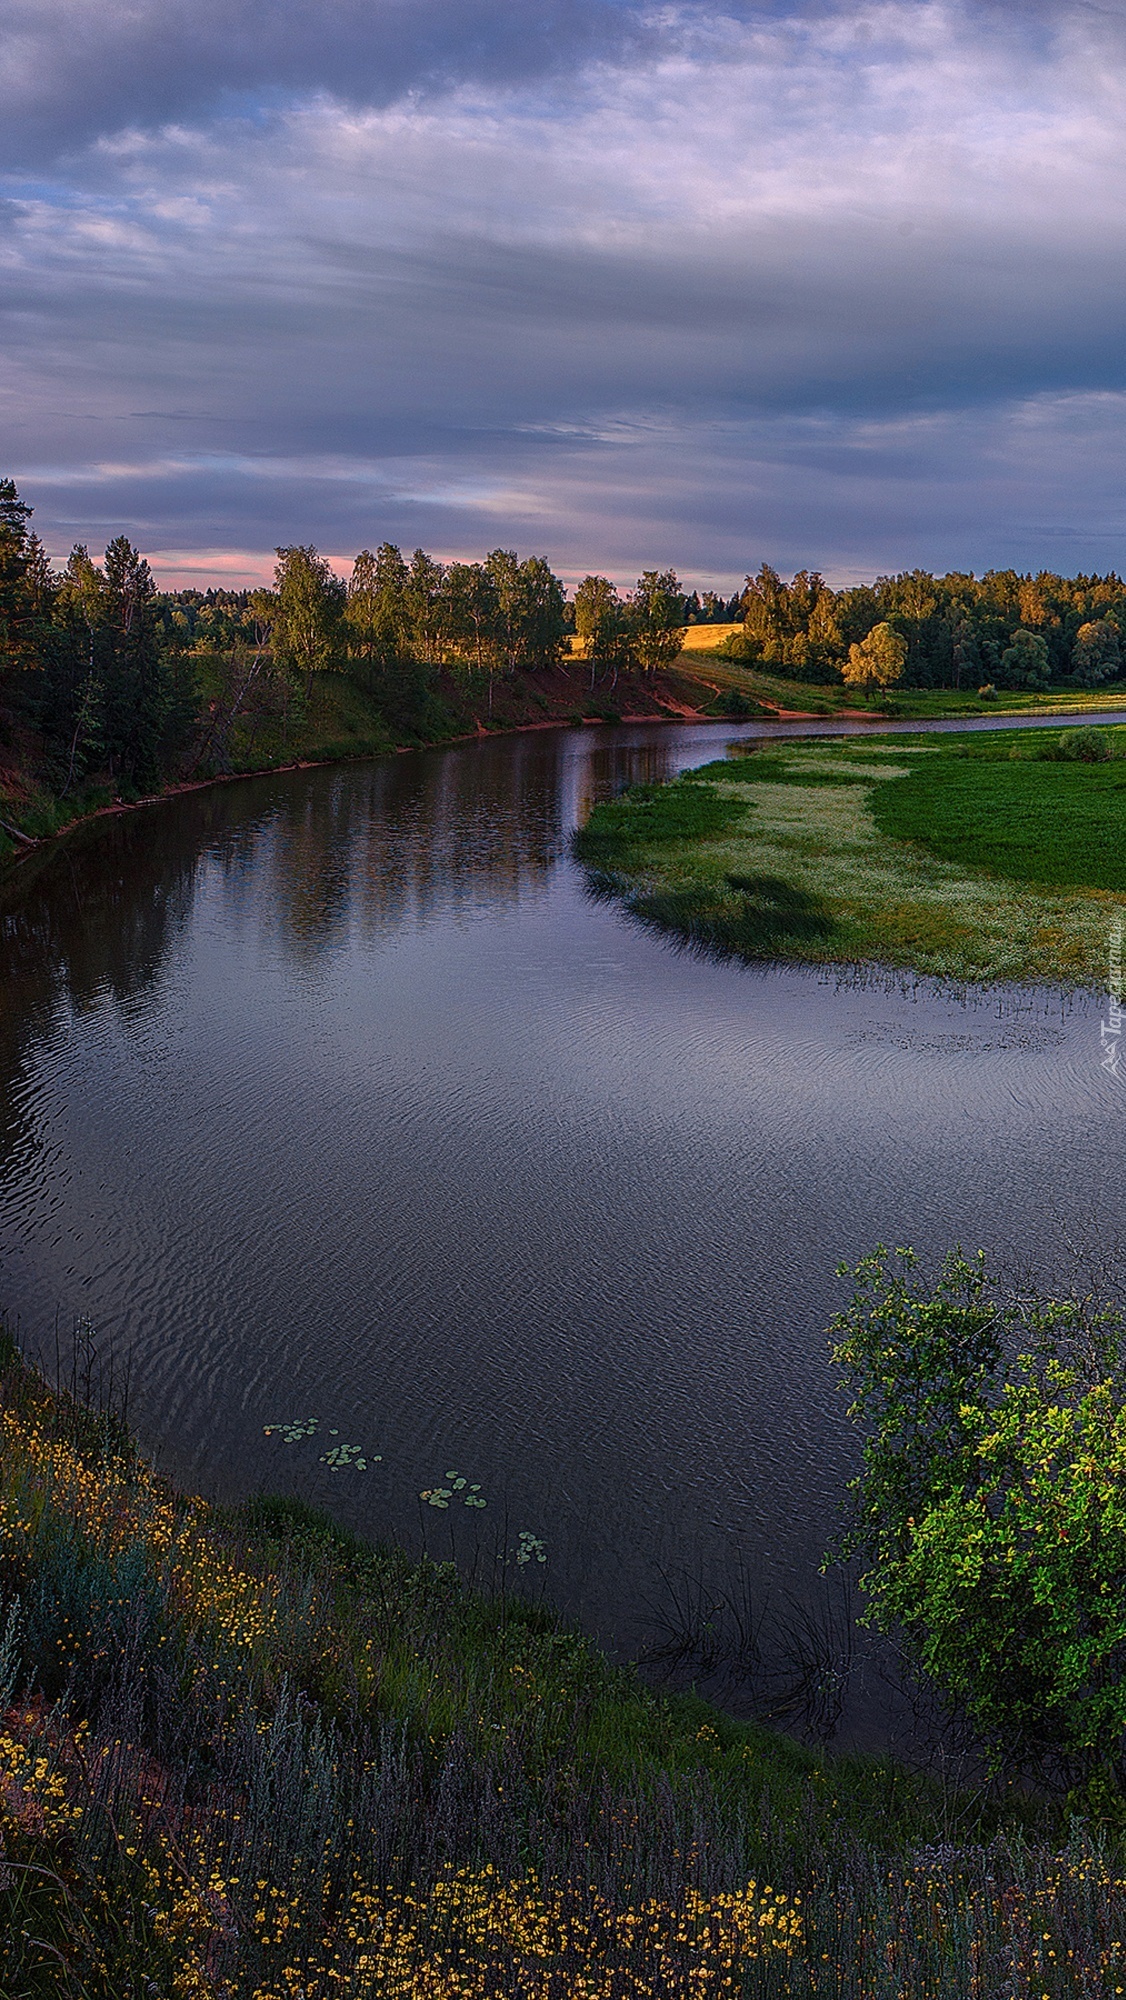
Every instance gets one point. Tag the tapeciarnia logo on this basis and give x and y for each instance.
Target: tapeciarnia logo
(1110, 1030)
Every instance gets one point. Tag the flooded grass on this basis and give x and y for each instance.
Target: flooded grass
(966, 860)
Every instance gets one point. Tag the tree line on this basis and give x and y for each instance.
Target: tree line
(82, 661)
(491, 620)
(955, 631)
(108, 671)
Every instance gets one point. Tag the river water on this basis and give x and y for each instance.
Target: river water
(333, 1095)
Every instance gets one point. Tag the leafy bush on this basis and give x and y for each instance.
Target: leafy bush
(1087, 746)
(1071, 746)
(992, 1503)
(325, 1769)
(735, 703)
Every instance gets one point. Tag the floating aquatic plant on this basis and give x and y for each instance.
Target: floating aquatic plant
(458, 1488)
(529, 1548)
(338, 1456)
(292, 1433)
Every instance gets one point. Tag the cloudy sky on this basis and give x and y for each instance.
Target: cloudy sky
(832, 284)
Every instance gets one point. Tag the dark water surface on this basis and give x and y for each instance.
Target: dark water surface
(332, 1094)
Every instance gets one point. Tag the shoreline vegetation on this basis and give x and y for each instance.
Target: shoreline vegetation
(245, 1756)
(964, 858)
(672, 695)
(114, 693)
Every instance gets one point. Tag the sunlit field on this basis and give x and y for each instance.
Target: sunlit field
(705, 638)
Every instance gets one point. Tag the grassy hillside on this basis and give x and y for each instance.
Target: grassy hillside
(344, 716)
(965, 857)
(246, 1757)
(778, 694)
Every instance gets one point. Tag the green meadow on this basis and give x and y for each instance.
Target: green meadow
(996, 856)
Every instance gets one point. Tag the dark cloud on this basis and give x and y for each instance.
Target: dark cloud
(1033, 485)
(74, 70)
(376, 350)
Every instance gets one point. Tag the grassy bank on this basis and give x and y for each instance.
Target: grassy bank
(242, 1754)
(706, 659)
(968, 858)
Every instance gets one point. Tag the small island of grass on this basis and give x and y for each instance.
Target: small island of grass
(983, 857)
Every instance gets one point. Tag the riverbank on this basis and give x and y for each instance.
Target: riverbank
(709, 655)
(343, 721)
(245, 1756)
(967, 859)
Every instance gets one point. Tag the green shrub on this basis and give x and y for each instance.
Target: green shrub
(992, 1504)
(1087, 746)
(734, 703)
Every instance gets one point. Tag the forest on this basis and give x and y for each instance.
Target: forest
(109, 675)
(960, 631)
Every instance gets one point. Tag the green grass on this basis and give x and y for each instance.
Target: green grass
(968, 858)
(659, 813)
(265, 1681)
(1030, 822)
(715, 671)
(710, 676)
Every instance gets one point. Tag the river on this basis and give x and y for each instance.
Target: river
(333, 1095)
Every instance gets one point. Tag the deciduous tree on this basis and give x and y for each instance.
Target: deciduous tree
(530, 609)
(1024, 662)
(878, 661)
(378, 611)
(310, 601)
(470, 618)
(424, 599)
(657, 618)
(1097, 653)
(603, 626)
